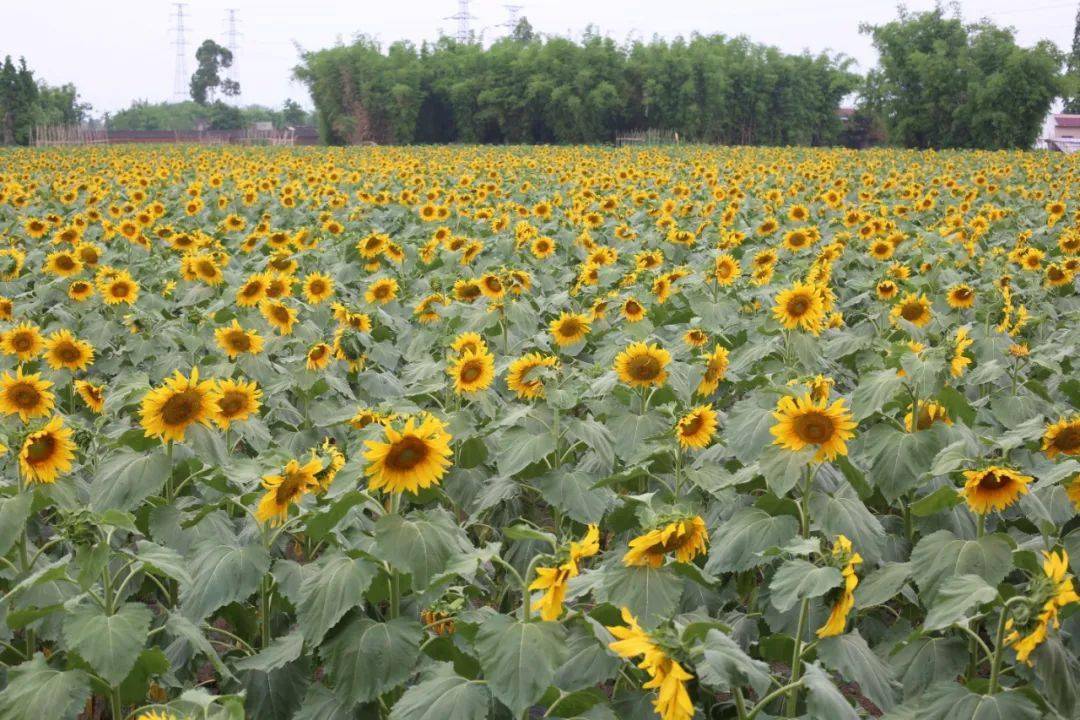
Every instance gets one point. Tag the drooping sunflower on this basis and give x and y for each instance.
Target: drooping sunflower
(472, 372)
(716, 364)
(993, 488)
(24, 341)
(319, 356)
(553, 580)
(913, 308)
(234, 401)
(961, 296)
(522, 378)
(381, 291)
(287, 489)
(686, 537)
(695, 337)
(1062, 438)
(168, 411)
(569, 328)
(1051, 592)
(666, 675)
(409, 460)
(234, 340)
(93, 395)
(959, 360)
(930, 412)
(800, 306)
(697, 428)
(64, 350)
(47, 453)
(804, 422)
(843, 598)
(642, 365)
(279, 315)
(27, 395)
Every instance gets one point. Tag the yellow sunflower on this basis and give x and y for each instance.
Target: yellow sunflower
(234, 401)
(641, 365)
(843, 598)
(632, 310)
(279, 315)
(930, 412)
(169, 410)
(913, 308)
(993, 488)
(47, 453)
(253, 291)
(1062, 438)
(716, 364)
(518, 375)
(64, 350)
(24, 341)
(93, 395)
(961, 296)
(27, 395)
(800, 306)
(409, 460)
(686, 537)
(121, 288)
(319, 356)
(697, 428)
(726, 269)
(381, 291)
(287, 489)
(804, 422)
(569, 328)
(1050, 592)
(469, 342)
(235, 340)
(472, 372)
(80, 290)
(666, 675)
(318, 288)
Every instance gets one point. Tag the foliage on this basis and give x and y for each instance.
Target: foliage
(206, 80)
(26, 102)
(189, 115)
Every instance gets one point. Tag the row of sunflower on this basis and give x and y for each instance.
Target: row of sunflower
(467, 433)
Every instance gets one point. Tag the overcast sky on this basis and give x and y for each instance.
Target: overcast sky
(116, 51)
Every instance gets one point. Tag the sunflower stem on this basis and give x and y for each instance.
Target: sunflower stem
(740, 704)
(264, 612)
(796, 659)
(395, 577)
(999, 642)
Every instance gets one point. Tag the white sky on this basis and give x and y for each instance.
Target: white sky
(116, 51)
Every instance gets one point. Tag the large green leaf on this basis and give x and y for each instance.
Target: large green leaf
(110, 643)
(726, 666)
(519, 659)
(925, 660)
(797, 580)
(942, 555)
(420, 544)
(783, 468)
(521, 448)
(843, 513)
(366, 658)
(36, 691)
(898, 459)
(275, 694)
(823, 700)
(279, 653)
(956, 596)
(588, 662)
(124, 480)
(222, 572)
(574, 494)
(738, 543)
(852, 658)
(14, 512)
(747, 429)
(335, 585)
(650, 593)
(882, 585)
(444, 696)
(874, 390)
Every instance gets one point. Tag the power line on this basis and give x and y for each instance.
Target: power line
(463, 17)
(180, 75)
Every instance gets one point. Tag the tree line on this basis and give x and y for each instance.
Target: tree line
(26, 102)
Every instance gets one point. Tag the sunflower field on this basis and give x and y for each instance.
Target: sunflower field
(611, 434)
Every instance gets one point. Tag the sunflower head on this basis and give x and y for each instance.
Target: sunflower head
(1062, 438)
(27, 395)
(414, 458)
(993, 488)
(47, 453)
(569, 328)
(696, 428)
(472, 371)
(168, 411)
(642, 365)
(807, 423)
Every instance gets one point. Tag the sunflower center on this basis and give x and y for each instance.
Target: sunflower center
(798, 305)
(64, 262)
(1068, 440)
(68, 353)
(317, 287)
(963, 294)
(911, 311)
(993, 481)
(119, 289)
(281, 314)
(633, 308)
(471, 371)
(570, 328)
(814, 427)
(252, 289)
(238, 340)
(21, 342)
(407, 453)
(317, 353)
(232, 403)
(290, 487)
(644, 367)
(24, 395)
(692, 426)
(41, 449)
(182, 407)
(382, 291)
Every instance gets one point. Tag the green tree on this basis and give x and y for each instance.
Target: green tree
(18, 102)
(1072, 71)
(206, 79)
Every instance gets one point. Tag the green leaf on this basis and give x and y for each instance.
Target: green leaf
(14, 512)
(222, 572)
(650, 593)
(124, 480)
(882, 585)
(573, 493)
(852, 658)
(420, 544)
(322, 704)
(520, 659)
(367, 658)
(942, 555)
(277, 654)
(725, 666)
(165, 560)
(334, 586)
(445, 696)
(110, 643)
(925, 660)
(956, 596)
(844, 514)
(899, 459)
(186, 631)
(783, 468)
(521, 448)
(738, 543)
(944, 498)
(797, 580)
(276, 694)
(956, 702)
(632, 430)
(823, 700)
(874, 390)
(747, 429)
(588, 662)
(35, 691)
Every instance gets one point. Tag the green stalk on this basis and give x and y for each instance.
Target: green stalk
(796, 659)
(999, 642)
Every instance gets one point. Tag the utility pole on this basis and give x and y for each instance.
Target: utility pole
(463, 17)
(512, 14)
(231, 42)
(180, 77)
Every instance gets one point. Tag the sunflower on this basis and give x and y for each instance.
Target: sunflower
(169, 410)
(1050, 593)
(1063, 437)
(696, 428)
(279, 315)
(80, 290)
(800, 306)
(235, 340)
(234, 401)
(716, 364)
(412, 459)
(804, 422)
(47, 453)
(63, 264)
(491, 286)
(569, 328)
(319, 356)
(553, 580)
(844, 597)
(381, 291)
(930, 412)
(961, 296)
(287, 489)
(23, 341)
(959, 360)
(472, 372)
(993, 488)
(632, 310)
(366, 416)
(886, 289)
(64, 350)
(469, 342)
(253, 291)
(666, 675)
(542, 247)
(641, 365)
(93, 395)
(518, 375)
(318, 288)
(726, 269)
(121, 288)
(913, 308)
(27, 395)
(695, 337)
(686, 537)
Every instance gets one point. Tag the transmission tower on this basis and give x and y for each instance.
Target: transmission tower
(180, 77)
(513, 12)
(463, 17)
(232, 40)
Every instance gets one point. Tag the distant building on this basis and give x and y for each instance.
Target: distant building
(1066, 127)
